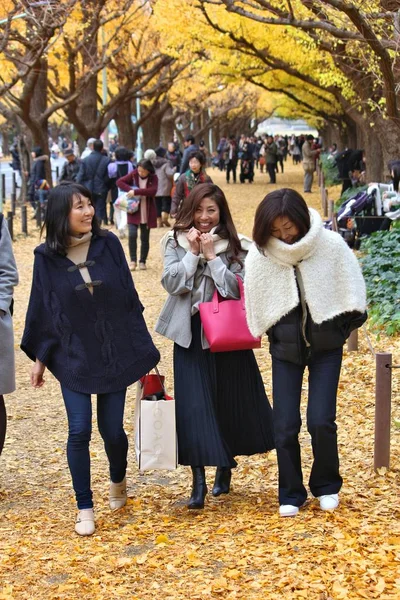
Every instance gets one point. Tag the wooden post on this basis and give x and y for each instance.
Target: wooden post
(57, 173)
(331, 209)
(3, 185)
(39, 215)
(352, 342)
(334, 222)
(24, 219)
(13, 202)
(383, 393)
(10, 224)
(14, 183)
(322, 187)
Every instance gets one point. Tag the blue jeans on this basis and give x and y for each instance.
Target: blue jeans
(323, 379)
(110, 417)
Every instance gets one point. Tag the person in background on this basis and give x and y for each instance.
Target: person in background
(194, 175)
(85, 325)
(121, 166)
(165, 174)
(203, 148)
(309, 158)
(271, 158)
(221, 149)
(142, 183)
(37, 177)
(8, 280)
(89, 148)
(305, 289)
(15, 158)
(221, 407)
(190, 147)
(231, 159)
(174, 156)
(246, 164)
(70, 168)
(93, 174)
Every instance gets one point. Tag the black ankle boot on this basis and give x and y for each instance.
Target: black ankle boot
(199, 489)
(222, 481)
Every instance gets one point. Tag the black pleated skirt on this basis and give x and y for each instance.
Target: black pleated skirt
(222, 409)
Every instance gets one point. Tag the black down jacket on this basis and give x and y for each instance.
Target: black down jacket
(287, 341)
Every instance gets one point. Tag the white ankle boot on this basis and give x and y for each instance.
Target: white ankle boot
(118, 494)
(84, 524)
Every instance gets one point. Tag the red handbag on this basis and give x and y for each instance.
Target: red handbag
(224, 323)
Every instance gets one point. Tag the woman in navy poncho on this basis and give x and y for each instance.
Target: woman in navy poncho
(85, 325)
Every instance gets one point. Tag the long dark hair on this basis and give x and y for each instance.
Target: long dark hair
(280, 203)
(225, 228)
(56, 222)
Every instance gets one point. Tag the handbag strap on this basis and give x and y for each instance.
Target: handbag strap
(216, 296)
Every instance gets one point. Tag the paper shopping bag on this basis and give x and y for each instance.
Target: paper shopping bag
(155, 426)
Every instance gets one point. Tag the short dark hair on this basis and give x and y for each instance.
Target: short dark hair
(98, 145)
(225, 229)
(280, 203)
(199, 155)
(189, 138)
(122, 153)
(147, 164)
(56, 222)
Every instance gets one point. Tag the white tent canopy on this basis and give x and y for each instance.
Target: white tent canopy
(276, 126)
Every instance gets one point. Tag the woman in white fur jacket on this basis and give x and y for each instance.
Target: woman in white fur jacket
(305, 289)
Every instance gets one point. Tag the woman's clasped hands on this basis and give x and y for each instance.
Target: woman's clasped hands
(201, 243)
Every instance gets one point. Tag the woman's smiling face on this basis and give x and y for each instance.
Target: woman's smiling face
(206, 215)
(81, 215)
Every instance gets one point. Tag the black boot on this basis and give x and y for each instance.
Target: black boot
(199, 489)
(222, 481)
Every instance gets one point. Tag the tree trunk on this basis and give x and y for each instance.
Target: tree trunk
(38, 125)
(152, 131)
(167, 127)
(125, 127)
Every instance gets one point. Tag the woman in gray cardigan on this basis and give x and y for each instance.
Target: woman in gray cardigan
(221, 407)
(8, 280)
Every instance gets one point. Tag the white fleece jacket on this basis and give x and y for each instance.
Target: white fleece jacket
(332, 278)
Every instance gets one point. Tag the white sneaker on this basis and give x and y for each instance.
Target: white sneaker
(288, 510)
(118, 495)
(329, 501)
(84, 524)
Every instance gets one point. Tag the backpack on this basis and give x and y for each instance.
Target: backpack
(12, 300)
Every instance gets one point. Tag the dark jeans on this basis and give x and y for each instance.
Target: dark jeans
(323, 379)
(144, 241)
(110, 419)
(271, 168)
(231, 167)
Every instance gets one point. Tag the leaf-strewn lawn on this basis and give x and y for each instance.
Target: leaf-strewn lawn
(238, 547)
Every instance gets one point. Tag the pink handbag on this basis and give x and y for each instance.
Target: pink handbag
(224, 323)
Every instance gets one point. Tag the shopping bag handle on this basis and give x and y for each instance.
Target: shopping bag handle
(159, 379)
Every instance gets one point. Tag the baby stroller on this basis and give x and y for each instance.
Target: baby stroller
(359, 216)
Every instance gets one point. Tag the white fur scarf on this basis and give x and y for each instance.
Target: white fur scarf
(331, 275)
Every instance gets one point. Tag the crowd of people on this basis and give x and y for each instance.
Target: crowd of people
(95, 339)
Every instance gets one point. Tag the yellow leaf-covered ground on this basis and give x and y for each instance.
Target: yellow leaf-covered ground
(238, 547)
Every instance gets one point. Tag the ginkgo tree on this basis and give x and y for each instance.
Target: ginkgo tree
(361, 37)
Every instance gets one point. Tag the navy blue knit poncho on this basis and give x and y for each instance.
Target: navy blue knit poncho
(92, 343)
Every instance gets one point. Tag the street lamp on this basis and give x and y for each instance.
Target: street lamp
(139, 133)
